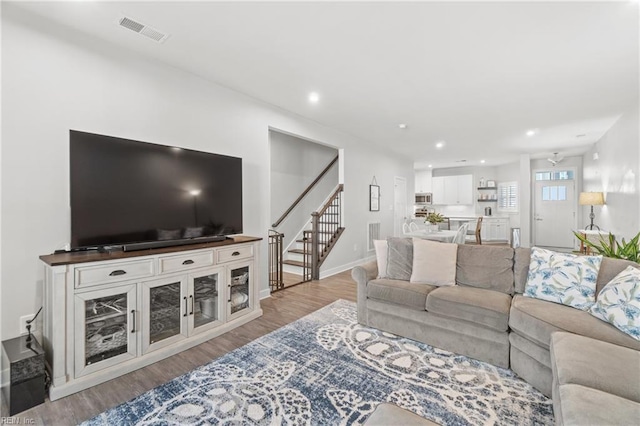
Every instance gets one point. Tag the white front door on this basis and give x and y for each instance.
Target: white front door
(554, 208)
(399, 204)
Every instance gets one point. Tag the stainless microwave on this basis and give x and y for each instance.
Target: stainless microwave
(423, 198)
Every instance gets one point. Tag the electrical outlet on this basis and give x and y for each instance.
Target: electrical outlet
(23, 324)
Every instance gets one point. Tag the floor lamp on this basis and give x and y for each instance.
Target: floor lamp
(591, 199)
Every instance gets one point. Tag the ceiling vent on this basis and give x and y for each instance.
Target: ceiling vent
(142, 29)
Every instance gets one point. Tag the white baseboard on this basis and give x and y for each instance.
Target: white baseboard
(347, 266)
(265, 293)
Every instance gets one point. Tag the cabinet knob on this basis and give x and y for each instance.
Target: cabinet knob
(188, 262)
(117, 272)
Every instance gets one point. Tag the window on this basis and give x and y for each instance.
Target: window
(508, 196)
(560, 175)
(554, 193)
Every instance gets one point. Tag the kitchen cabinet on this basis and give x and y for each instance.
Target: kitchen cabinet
(495, 229)
(452, 190)
(423, 181)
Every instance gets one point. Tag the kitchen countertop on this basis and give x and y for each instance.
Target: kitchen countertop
(475, 217)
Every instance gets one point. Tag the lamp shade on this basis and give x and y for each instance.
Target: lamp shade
(591, 199)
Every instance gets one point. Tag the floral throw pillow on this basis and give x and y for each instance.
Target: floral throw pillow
(619, 302)
(563, 278)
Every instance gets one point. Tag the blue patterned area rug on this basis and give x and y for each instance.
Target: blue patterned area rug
(325, 369)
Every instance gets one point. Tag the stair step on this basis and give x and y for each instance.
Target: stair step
(293, 262)
(298, 251)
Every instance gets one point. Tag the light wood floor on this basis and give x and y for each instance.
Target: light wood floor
(281, 308)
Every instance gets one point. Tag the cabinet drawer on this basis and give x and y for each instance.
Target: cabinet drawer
(186, 261)
(234, 253)
(121, 271)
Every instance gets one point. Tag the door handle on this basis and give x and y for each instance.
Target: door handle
(537, 218)
(185, 307)
(133, 320)
(191, 297)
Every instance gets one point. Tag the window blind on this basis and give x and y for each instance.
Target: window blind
(508, 196)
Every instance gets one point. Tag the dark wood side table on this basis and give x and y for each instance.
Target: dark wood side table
(24, 362)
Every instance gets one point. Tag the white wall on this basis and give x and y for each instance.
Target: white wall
(54, 79)
(295, 163)
(617, 174)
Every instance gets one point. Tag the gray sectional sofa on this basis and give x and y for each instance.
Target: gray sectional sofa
(485, 315)
(590, 374)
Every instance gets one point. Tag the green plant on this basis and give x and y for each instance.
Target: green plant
(611, 248)
(434, 218)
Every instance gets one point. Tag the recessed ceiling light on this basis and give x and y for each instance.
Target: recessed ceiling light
(532, 132)
(402, 125)
(439, 144)
(430, 165)
(482, 161)
(314, 97)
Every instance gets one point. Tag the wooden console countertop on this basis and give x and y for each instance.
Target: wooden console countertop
(95, 256)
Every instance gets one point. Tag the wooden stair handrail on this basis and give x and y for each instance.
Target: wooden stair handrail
(305, 192)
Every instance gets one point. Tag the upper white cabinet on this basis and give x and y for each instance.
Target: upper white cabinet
(451, 190)
(423, 181)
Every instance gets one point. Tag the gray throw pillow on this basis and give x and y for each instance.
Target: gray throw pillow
(400, 258)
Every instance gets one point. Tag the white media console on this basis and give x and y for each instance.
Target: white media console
(107, 314)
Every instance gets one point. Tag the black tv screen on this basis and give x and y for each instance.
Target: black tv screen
(125, 191)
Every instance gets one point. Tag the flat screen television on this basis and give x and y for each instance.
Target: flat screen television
(138, 195)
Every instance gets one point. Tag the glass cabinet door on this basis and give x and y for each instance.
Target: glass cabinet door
(165, 306)
(239, 301)
(205, 288)
(105, 328)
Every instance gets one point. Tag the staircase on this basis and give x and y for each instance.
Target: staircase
(325, 227)
(313, 244)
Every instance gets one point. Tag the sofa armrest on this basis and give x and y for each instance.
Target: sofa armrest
(362, 275)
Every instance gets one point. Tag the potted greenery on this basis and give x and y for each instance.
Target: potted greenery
(611, 248)
(434, 219)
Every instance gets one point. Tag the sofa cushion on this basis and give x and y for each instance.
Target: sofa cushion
(619, 302)
(537, 319)
(522, 259)
(609, 268)
(399, 292)
(485, 267)
(563, 278)
(382, 253)
(399, 258)
(579, 360)
(479, 306)
(583, 406)
(434, 262)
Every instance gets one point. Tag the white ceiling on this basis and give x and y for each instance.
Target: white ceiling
(477, 75)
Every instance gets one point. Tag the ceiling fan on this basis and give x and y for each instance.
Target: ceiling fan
(555, 159)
